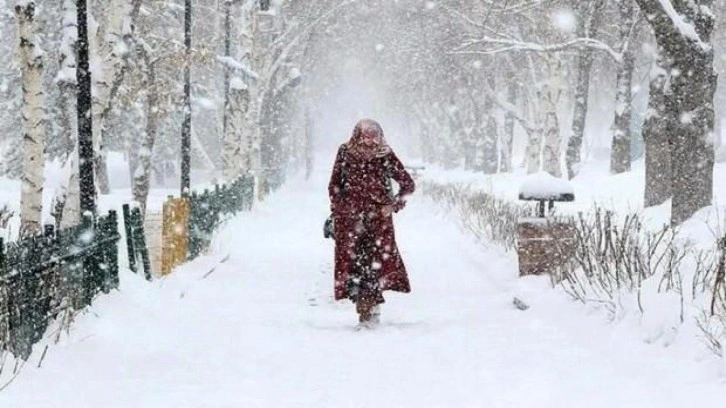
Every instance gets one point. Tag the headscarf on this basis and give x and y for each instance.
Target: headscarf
(365, 130)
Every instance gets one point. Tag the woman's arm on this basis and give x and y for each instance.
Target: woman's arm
(404, 180)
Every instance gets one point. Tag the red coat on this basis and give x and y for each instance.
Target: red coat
(363, 197)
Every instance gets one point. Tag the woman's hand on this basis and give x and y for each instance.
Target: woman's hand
(387, 210)
(397, 206)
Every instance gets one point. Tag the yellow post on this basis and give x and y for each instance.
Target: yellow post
(175, 234)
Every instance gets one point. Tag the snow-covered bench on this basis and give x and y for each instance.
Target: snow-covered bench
(545, 188)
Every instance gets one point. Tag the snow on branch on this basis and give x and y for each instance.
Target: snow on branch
(233, 64)
(505, 45)
(526, 124)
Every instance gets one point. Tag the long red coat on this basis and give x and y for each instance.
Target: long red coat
(363, 196)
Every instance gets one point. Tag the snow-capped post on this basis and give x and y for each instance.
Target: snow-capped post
(85, 120)
(31, 66)
(187, 124)
(544, 241)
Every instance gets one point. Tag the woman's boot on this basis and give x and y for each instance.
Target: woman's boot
(364, 307)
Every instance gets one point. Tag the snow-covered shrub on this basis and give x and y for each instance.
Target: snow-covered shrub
(484, 215)
(618, 263)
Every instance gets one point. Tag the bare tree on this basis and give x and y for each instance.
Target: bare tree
(589, 14)
(683, 33)
(628, 32)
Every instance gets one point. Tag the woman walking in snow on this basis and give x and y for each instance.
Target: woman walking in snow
(367, 260)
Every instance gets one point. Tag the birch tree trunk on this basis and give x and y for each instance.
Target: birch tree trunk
(254, 132)
(552, 137)
(67, 202)
(142, 174)
(491, 136)
(112, 47)
(507, 139)
(234, 154)
(70, 207)
(31, 66)
(246, 137)
(534, 150)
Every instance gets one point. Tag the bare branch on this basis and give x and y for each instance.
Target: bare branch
(513, 46)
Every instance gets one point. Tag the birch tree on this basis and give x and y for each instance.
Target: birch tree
(142, 174)
(67, 202)
(31, 65)
(111, 47)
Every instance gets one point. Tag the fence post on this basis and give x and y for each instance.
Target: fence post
(128, 227)
(90, 262)
(4, 310)
(46, 280)
(22, 322)
(195, 225)
(140, 240)
(112, 249)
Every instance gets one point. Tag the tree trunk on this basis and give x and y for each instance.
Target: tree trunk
(142, 174)
(587, 27)
(186, 133)
(66, 203)
(490, 134)
(227, 53)
(692, 154)
(31, 66)
(620, 152)
(552, 137)
(655, 137)
(66, 77)
(84, 106)
(688, 98)
(507, 138)
(582, 91)
(232, 156)
(534, 150)
(70, 208)
(106, 49)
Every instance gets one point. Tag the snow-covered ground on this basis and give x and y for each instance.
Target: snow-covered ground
(253, 325)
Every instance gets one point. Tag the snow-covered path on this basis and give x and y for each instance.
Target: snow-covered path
(253, 325)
